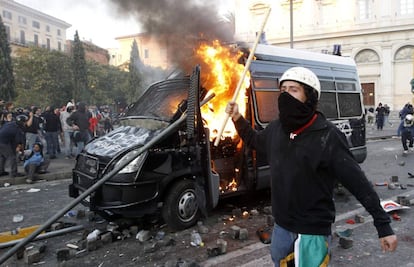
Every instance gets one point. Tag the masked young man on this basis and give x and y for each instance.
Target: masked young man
(307, 155)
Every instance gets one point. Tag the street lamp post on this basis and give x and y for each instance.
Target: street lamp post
(291, 23)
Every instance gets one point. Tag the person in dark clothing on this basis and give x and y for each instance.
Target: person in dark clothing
(387, 112)
(79, 120)
(407, 109)
(307, 156)
(52, 128)
(35, 162)
(8, 109)
(33, 131)
(380, 116)
(12, 141)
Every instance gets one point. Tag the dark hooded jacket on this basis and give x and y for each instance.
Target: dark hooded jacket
(304, 171)
(12, 134)
(80, 118)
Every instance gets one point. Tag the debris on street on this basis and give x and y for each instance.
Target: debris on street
(395, 216)
(33, 190)
(196, 239)
(343, 232)
(389, 205)
(17, 233)
(359, 218)
(265, 234)
(345, 242)
(18, 218)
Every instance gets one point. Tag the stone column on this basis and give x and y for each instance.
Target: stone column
(387, 77)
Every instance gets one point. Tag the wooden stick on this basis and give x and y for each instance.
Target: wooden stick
(246, 68)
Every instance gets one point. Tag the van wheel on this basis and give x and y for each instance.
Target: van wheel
(180, 209)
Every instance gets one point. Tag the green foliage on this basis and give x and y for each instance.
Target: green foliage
(107, 83)
(7, 85)
(81, 90)
(135, 74)
(45, 78)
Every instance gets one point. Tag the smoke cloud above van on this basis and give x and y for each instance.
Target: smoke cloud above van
(180, 21)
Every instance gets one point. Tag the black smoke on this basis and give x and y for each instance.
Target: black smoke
(182, 23)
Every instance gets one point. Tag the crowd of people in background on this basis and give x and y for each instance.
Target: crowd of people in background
(379, 116)
(382, 113)
(405, 130)
(25, 132)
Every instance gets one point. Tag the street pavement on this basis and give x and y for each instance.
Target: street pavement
(59, 168)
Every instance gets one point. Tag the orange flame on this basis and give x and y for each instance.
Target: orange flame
(221, 73)
(231, 186)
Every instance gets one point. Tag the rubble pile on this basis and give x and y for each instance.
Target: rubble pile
(155, 243)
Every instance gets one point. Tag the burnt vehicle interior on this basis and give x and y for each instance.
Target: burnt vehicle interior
(226, 158)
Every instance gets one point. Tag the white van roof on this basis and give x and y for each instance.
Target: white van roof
(272, 52)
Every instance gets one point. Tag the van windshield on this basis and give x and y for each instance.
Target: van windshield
(161, 100)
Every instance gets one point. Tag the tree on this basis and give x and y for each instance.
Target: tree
(7, 86)
(107, 83)
(79, 68)
(43, 77)
(135, 75)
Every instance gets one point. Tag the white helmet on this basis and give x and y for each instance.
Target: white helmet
(302, 75)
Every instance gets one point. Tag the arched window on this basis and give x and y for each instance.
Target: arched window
(367, 56)
(258, 12)
(258, 9)
(404, 53)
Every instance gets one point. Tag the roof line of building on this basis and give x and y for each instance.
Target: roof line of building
(33, 12)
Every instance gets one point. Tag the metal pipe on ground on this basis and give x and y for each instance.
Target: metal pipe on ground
(45, 235)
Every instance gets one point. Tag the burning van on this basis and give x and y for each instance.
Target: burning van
(162, 157)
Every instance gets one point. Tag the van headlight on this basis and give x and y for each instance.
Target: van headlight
(133, 166)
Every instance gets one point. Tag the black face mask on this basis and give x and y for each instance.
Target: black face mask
(293, 114)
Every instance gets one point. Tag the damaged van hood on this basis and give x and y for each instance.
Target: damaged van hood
(120, 139)
(153, 112)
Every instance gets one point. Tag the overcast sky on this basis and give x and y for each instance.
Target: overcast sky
(95, 20)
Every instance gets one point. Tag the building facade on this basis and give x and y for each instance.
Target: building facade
(153, 51)
(29, 27)
(92, 52)
(377, 34)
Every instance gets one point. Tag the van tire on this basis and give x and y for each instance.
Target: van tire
(180, 209)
